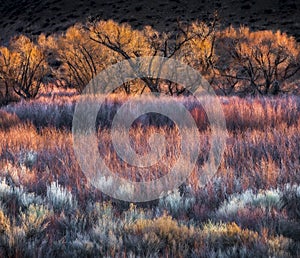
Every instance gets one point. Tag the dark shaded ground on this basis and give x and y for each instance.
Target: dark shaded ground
(33, 17)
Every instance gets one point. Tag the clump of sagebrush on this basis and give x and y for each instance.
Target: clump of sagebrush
(265, 199)
(177, 203)
(60, 198)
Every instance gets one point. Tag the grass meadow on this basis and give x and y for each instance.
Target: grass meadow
(250, 208)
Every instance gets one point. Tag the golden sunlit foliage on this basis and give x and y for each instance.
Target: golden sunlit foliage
(120, 38)
(189, 43)
(257, 62)
(199, 51)
(125, 42)
(233, 60)
(82, 58)
(22, 67)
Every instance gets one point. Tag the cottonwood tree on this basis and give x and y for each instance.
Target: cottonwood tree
(129, 43)
(199, 50)
(125, 43)
(8, 68)
(22, 67)
(81, 58)
(256, 62)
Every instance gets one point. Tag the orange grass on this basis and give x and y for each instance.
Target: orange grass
(262, 148)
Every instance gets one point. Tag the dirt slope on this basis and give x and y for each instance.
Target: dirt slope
(32, 17)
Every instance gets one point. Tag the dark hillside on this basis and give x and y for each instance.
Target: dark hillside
(31, 17)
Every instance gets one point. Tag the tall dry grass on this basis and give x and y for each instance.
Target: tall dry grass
(38, 168)
(262, 147)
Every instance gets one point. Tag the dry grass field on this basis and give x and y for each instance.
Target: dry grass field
(249, 208)
(248, 51)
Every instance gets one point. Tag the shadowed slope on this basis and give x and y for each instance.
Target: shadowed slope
(33, 17)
